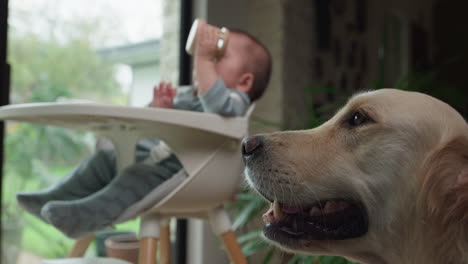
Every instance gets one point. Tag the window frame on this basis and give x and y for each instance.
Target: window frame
(4, 78)
(185, 78)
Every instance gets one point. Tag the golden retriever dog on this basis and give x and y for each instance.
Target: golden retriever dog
(383, 181)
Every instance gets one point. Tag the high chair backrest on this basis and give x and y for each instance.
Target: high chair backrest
(216, 177)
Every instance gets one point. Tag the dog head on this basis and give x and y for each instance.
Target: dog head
(351, 187)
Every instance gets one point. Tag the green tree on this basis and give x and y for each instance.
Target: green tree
(46, 67)
(45, 70)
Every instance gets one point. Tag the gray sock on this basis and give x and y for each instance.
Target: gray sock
(90, 176)
(99, 210)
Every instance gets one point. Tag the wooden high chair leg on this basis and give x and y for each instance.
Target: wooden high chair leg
(149, 235)
(147, 252)
(80, 246)
(233, 249)
(221, 226)
(165, 243)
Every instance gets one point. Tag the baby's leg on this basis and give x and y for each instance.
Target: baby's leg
(101, 209)
(90, 176)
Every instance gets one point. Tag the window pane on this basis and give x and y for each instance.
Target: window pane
(104, 51)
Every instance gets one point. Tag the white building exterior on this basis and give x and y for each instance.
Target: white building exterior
(143, 59)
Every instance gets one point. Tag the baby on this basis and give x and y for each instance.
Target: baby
(95, 196)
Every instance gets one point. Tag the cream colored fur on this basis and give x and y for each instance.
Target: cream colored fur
(409, 167)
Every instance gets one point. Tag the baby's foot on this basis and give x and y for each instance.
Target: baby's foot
(90, 176)
(101, 209)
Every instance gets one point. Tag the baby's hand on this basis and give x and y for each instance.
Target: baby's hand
(163, 95)
(207, 38)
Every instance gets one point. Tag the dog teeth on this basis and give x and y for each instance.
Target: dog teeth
(315, 211)
(294, 225)
(342, 205)
(330, 207)
(333, 206)
(273, 214)
(276, 210)
(268, 217)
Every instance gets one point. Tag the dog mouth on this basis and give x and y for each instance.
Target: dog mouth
(337, 219)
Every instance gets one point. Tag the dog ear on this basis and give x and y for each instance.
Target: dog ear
(445, 183)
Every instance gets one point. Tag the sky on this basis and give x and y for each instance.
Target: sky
(132, 20)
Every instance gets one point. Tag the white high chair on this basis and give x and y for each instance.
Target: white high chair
(207, 145)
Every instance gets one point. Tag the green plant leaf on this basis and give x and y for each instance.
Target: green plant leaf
(269, 256)
(249, 236)
(295, 259)
(253, 246)
(246, 213)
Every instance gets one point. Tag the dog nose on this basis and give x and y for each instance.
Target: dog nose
(251, 144)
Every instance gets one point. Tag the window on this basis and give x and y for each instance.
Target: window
(103, 51)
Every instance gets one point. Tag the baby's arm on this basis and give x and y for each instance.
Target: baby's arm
(224, 101)
(183, 98)
(205, 54)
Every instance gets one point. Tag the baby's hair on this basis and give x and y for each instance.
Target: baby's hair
(260, 66)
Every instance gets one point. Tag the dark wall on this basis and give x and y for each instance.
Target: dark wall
(451, 52)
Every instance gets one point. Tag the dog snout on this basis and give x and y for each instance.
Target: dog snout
(251, 144)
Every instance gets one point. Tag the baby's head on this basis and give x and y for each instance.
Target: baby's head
(245, 65)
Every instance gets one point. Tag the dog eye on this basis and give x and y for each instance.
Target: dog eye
(357, 119)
